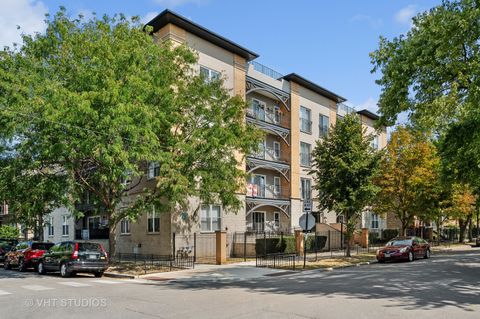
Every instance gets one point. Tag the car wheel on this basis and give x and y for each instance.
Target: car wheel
(410, 256)
(41, 268)
(98, 274)
(64, 271)
(6, 265)
(427, 254)
(381, 261)
(21, 265)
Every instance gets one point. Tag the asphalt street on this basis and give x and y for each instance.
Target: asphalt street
(445, 286)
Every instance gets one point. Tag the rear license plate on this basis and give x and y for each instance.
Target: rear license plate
(387, 255)
(92, 256)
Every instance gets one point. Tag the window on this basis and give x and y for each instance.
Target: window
(153, 169)
(258, 109)
(258, 221)
(323, 126)
(258, 181)
(94, 222)
(261, 150)
(276, 150)
(50, 228)
(209, 74)
(276, 185)
(340, 219)
(374, 221)
(304, 154)
(276, 219)
(306, 188)
(374, 143)
(153, 221)
(277, 115)
(65, 229)
(210, 219)
(125, 226)
(305, 120)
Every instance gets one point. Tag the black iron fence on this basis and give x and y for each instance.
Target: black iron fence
(281, 260)
(167, 261)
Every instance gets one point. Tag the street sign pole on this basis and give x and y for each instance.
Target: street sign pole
(305, 246)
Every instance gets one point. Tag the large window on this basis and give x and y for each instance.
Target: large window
(276, 150)
(304, 154)
(258, 221)
(276, 185)
(50, 228)
(374, 143)
(374, 221)
(276, 219)
(153, 169)
(125, 226)
(209, 74)
(306, 188)
(210, 219)
(323, 126)
(305, 120)
(153, 221)
(258, 108)
(65, 230)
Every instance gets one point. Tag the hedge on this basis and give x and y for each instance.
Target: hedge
(287, 245)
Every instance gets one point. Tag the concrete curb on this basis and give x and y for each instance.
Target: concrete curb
(120, 276)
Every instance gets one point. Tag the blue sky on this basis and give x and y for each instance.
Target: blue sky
(327, 42)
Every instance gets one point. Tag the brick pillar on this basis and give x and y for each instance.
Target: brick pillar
(299, 242)
(364, 238)
(221, 247)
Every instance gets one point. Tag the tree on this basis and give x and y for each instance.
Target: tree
(8, 232)
(432, 74)
(408, 179)
(461, 206)
(344, 165)
(99, 99)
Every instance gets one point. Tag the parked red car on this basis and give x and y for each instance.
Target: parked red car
(25, 255)
(404, 248)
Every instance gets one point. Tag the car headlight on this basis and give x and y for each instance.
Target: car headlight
(404, 250)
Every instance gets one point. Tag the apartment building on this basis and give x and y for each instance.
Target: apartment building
(293, 112)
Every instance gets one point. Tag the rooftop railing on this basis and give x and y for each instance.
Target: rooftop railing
(266, 70)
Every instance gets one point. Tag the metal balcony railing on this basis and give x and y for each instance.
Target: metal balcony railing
(266, 70)
(268, 117)
(268, 192)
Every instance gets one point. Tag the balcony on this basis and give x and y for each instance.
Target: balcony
(267, 191)
(80, 234)
(272, 117)
(269, 154)
(266, 70)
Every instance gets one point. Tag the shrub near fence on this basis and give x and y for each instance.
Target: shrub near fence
(286, 244)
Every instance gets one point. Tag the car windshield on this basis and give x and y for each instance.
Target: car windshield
(42, 246)
(89, 247)
(400, 242)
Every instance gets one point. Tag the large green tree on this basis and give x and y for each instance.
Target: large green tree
(409, 178)
(431, 73)
(344, 165)
(99, 99)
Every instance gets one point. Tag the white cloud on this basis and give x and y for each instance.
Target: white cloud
(28, 14)
(177, 3)
(405, 15)
(148, 17)
(374, 23)
(370, 104)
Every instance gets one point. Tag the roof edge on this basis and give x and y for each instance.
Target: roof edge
(314, 87)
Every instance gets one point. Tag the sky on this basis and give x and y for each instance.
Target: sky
(327, 42)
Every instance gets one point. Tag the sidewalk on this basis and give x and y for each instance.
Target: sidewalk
(236, 271)
(453, 247)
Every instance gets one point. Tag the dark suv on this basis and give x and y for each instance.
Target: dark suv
(25, 255)
(74, 257)
(6, 244)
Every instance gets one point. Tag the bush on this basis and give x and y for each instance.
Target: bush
(9, 232)
(389, 234)
(287, 245)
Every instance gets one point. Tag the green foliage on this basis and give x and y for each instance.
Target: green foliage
(344, 165)
(389, 234)
(99, 98)
(9, 232)
(409, 177)
(287, 244)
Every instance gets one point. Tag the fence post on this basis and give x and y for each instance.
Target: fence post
(173, 245)
(194, 247)
(245, 246)
(264, 243)
(221, 247)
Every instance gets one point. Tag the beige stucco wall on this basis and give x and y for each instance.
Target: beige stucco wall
(57, 215)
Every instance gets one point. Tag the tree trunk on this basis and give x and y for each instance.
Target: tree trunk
(112, 240)
(463, 228)
(347, 234)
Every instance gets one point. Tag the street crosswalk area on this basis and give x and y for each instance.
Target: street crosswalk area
(10, 290)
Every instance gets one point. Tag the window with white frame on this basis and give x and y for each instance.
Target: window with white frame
(304, 154)
(258, 108)
(276, 219)
(260, 152)
(374, 221)
(305, 120)
(323, 126)
(210, 219)
(65, 230)
(153, 169)
(374, 142)
(276, 185)
(306, 188)
(209, 74)
(276, 150)
(50, 227)
(153, 221)
(125, 226)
